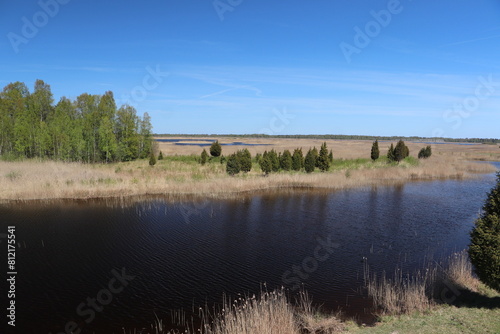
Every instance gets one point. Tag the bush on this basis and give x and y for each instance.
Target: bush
(215, 149)
(390, 153)
(310, 161)
(425, 152)
(375, 153)
(484, 250)
(152, 159)
(401, 151)
(323, 162)
(265, 163)
(297, 159)
(204, 157)
(286, 161)
(233, 164)
(245, 160)
(275, 162)
(160, 156)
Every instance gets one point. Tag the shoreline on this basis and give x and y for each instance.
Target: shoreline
(31, 180)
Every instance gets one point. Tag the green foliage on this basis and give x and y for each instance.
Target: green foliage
(390, 153)
(223, 159)
(275, 162)
(204, 157)
(310, 161)
(484, 249)
(152, 159)
(245, 160)
(286, 161)
(88, 129)
(265, 163)
(233, 165)
(215, 149)
(297, 159)
(425, 152)
(314, 153)
(258, 156)
(323, 162)
(375, 153)
(160, 156)
(330, 157)
(401, 151)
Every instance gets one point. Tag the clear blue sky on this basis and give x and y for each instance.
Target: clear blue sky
(280, 67)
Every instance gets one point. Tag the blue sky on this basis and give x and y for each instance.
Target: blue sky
(406, 67)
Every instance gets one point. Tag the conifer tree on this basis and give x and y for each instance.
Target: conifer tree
(297, 159)
(286, 161)
(233, 166)
(160, 155)
(152, 159)
(390, 153)
(204, 157)
(310, 161)
(323, 162)
(245, 159)
(375, 153)
(273, 158)
(215, 149)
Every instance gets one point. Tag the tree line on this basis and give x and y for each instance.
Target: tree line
(89, 129)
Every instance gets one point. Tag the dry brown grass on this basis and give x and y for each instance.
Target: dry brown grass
(26, 180)
(459, 271)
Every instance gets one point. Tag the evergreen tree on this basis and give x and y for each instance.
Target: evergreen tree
(245, 159)
(160, 155)
(233, 165)
(425, 152)
(390, 153)
(314, 153)
(286, 161)
(330, 157)
(375, 153)
(297, 159)
(310, 161)
(401, 151)
(273, 158)
(204, 157)
(265, 163)
(484, 250)
(152, 159)
(215, 149)
(323, 162)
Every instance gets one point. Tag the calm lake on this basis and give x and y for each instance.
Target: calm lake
(132, 261)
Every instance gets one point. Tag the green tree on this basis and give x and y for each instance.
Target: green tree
(425, 152)
(314, 153)
(160, 155)
(286, 161)
(145, 136)
(484, 249)
(245, 159)
(152, 159)
(297, 159)
(127, 133)
(265, 163)
(107, 139)
(375, 153)
(233, 165)
(204, 157)
(275, 162)
(390, 153)
(330, 157)
(215, 149)
(310, 161)
(323, 162)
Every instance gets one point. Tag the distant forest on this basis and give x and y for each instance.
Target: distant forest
(89, 129)
(349, 137)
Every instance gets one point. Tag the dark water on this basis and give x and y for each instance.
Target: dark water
(208, 142)
(176, 255)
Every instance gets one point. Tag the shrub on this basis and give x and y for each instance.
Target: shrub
(425, 152)
(160, 156)
(286, 160)
(204, 157)
(245, 160)
(401, 151)
(215, 149)
(484, 250)
(390, 153)
(265, 163)
(273, 158)
(375, 153)
(323, 162)
(152, 159)
(310, 161)
(297, 159)
(330, 157)
(233, 164)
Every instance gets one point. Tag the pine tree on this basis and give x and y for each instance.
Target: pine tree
(204, 157)
(484, 250)
(425, 152)
(297, 159)
(286, 161)
(401, 151)
(323, 163)
(273, 158)
(390, 153)
(160, 155)
(375, 153)
(152, 159)
(310, 161)
(314, 153)
(215, 149)
(330, 157)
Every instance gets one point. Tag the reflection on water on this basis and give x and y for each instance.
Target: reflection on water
(189, 252)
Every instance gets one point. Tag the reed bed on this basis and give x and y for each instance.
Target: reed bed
(30, 179)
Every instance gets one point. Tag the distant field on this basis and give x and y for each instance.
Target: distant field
(345, 149)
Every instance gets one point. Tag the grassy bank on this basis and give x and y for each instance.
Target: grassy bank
(471, 308)
(30, 179)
